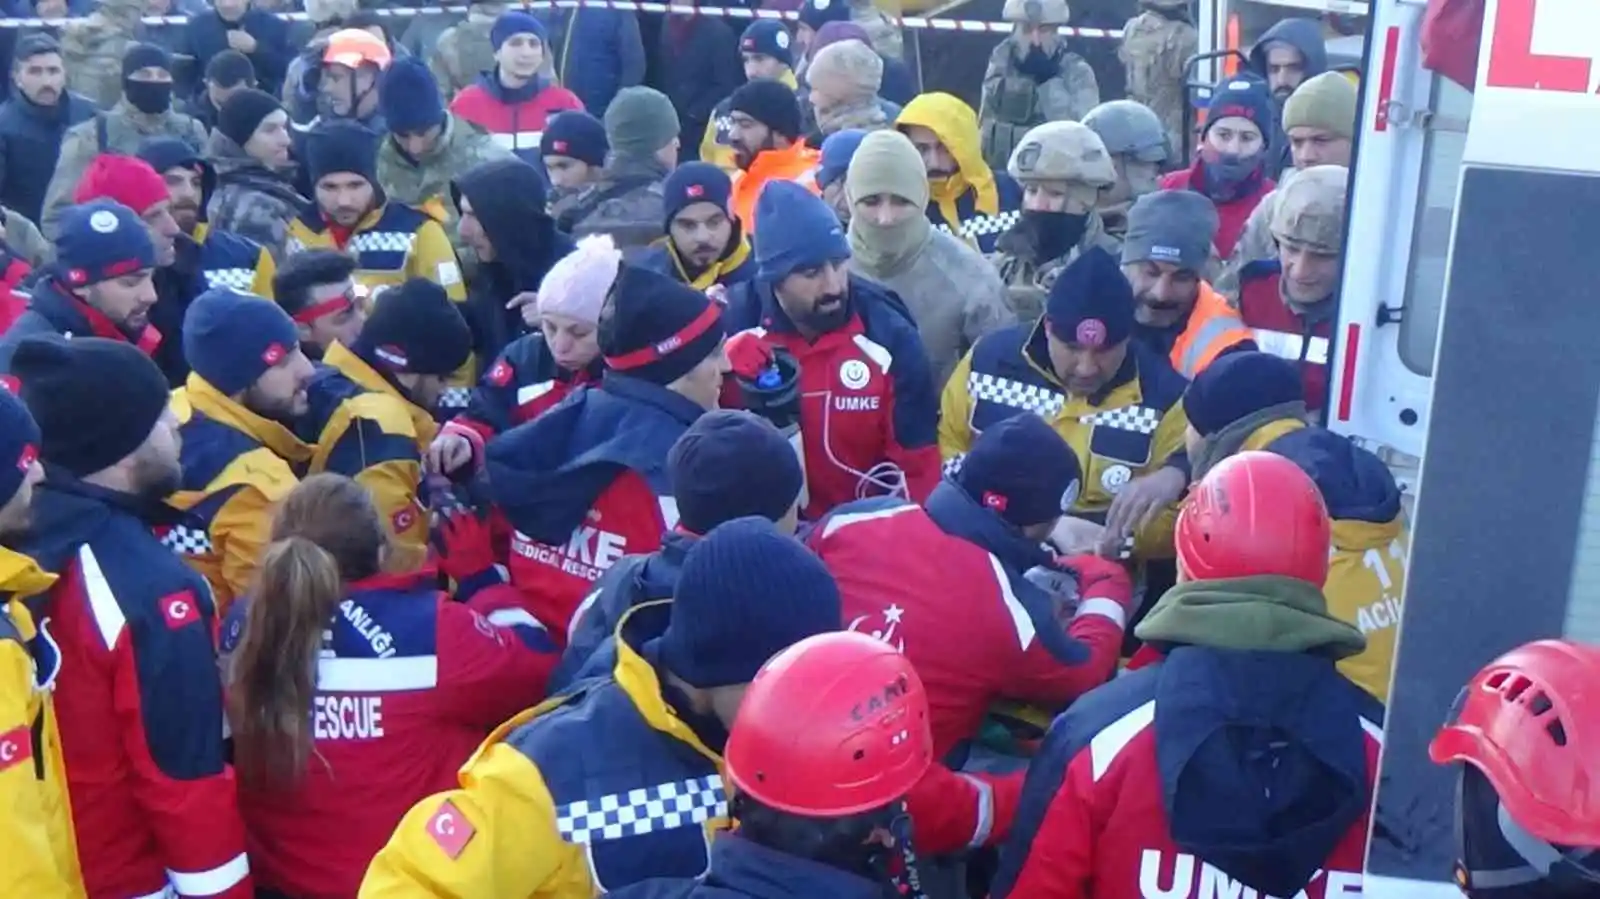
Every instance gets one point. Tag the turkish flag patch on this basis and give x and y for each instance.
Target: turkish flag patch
(180, 609)
(16, 746)
(500, 373)
(995, 501)
(28, 456)
(10, 384)
(451, 829)
(403, 518)
(273, 354)
(695, 190)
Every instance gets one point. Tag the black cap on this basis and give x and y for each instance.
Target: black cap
(656, 329)
(96, 400)
(415, 329)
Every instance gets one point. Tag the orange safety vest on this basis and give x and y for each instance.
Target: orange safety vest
(1213, 327)
(797, 163)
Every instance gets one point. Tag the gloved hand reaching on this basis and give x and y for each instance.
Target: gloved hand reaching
(465, 551)
(1104, 586)
(768, 379)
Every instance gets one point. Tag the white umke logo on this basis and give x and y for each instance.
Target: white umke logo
(1187, 877)
(854, 374)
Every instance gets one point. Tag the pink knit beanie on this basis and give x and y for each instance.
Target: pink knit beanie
(576, 286)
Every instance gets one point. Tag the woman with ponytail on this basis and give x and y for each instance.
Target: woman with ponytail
(353, 693)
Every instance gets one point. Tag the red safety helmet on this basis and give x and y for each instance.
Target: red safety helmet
(1530, 721)
(1255, 513)
(833, 726)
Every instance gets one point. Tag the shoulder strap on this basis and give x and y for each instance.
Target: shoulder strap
(102, 140)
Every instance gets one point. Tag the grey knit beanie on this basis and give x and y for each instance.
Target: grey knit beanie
(640, 121)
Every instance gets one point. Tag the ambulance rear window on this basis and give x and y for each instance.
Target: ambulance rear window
(1583, 596)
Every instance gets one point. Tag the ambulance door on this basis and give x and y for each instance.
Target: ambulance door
(1238, 24)
(1407, 171)
(1505, 543)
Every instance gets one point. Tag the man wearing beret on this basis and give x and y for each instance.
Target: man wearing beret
(246, 389)
(1111, 397)
(705, 245)
(141, 712)
(1167, 247)
(100, 284)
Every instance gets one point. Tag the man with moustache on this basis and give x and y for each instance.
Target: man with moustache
(705, 244)
(239, 456)
(225, 258)
(33, 123)
(768, 143)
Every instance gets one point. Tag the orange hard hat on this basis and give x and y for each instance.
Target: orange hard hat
(354, 47)
(833, 726)
(1255, 513)
(1530, 721)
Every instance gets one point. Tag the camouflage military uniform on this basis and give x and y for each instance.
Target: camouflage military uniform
(1310, 209)
(462, 53)
(1064, 154)
(883, 33)
(1155, 45)
(125, 129)
(626, 203)
(92, 49)
(250, 200)
(1013, 101)
(1255, 243)
(425, 182)
(1137, 142)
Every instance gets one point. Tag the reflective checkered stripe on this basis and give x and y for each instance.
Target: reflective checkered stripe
(1015, 394)
(241, 279)
(1137, 419)
(668, 806)
(984, 225)
(455, 398)
(187, 541)
(382, 242)
(293, 245)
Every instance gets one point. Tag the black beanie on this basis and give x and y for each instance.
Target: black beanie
(242, 113)
(772, 103)
(144, 56)
(340, 145)
(415, 329)
(96, 400)
(656, 329)
(731, 464)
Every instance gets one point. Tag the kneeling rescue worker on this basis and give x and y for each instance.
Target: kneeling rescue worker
(1244, 761)
(831, 735)
(1528, 814)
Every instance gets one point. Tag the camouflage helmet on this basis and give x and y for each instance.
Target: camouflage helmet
(1036, 12)
(1310, 208)
(1062, 151)
(1129, 128)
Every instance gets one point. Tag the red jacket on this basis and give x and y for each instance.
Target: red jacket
(1176, 781)
(1285, 333)
(522, 383)
(1232, 215)
(139, 700)
(409, 683)
(514, 123)
(869, 409)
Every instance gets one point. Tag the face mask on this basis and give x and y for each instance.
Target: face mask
(1053, 234)
(883, 246)
(149, 97)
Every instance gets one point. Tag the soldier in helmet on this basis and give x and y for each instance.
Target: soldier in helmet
(1064, 169)
(1289, 301)
(1032, 78)
(1139, 148)
(1155, 45)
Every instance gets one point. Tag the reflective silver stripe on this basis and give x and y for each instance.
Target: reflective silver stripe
(393, 675)
(517, 140)
(1109, 743)
(985, 825)
(209, 883)
(1292, 346)
(1210, 330)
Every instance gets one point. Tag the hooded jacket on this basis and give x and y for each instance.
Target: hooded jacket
(1304, 35)
(251, 200)
(1242, 763)
(633, 581)
(583, 485)
(976, 203)
(507, 197)
(1367, 575)
(30, 144)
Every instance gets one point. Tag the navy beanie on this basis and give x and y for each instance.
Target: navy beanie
(1237, 385)
(19, 444)
(231, 339)
(769, 37)
(772, 103)
(745, 594)
(101, 240)
(731, 464)
(516, 21)
(415, 329)
(341, 145)
(1021, 470)
(656, 329)
(145, 56)
(838, 149)
(1091, 304)
(577, 135)
(817, 13)
(695, 182)
(796, 229)
(1245, 97)
(96, 400)
(408, 97)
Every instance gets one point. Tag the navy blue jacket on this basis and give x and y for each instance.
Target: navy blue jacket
(706, 67)
(601, 52)
(630, 582)
(741, 868)
(30, 144)
(207, 35)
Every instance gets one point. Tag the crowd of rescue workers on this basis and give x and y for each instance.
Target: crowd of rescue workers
(438, 464)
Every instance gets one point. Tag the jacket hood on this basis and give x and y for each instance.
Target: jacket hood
(1304, 35)
(234, 166)
(548, 472)
(740, 867)
(1273, 738)
(1266, 613)
(1355, 484)
(508, 197)
(957, 127)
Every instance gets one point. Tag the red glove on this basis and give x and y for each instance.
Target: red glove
(1099, 578)
(748, 355)
(466, 551)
